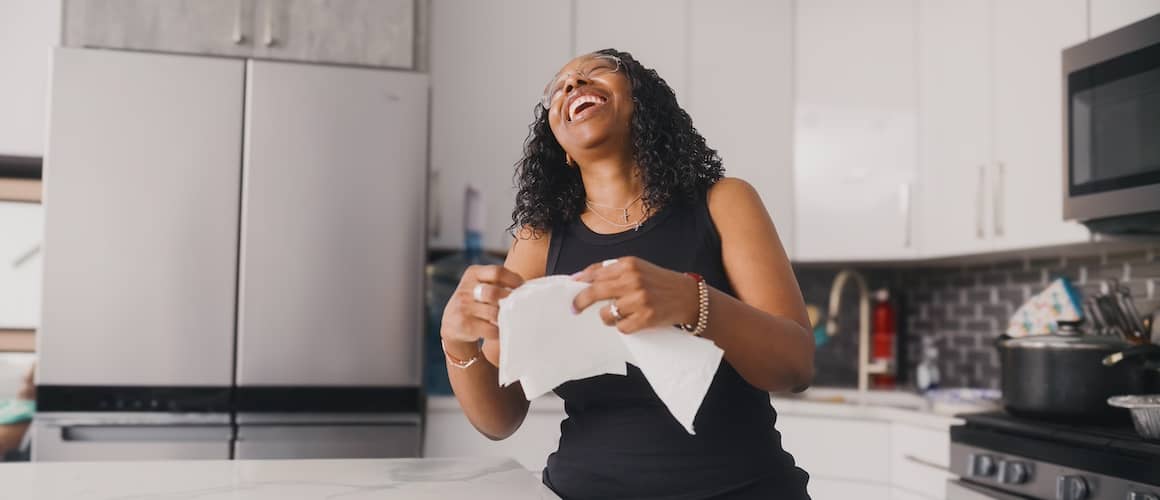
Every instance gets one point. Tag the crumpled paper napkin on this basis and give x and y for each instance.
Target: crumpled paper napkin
(543, 344)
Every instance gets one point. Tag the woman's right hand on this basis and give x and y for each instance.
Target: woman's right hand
(472, 315)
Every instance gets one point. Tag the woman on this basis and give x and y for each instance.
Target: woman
(618, 187)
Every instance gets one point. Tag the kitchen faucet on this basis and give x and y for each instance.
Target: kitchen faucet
(865, 366)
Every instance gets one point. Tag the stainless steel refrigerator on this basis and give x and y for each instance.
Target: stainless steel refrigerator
(232, 260)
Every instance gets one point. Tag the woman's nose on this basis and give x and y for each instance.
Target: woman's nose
(573, 83)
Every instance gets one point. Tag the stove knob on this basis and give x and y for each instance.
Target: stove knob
(1136, 495)
(1013, 472)
(1071, 488)
(980, 465)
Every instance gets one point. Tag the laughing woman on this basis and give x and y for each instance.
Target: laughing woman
(613, 169)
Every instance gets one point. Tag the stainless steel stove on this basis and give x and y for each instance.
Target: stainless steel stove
(1001, 456)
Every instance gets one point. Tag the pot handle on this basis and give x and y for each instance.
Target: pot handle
(1140, 351)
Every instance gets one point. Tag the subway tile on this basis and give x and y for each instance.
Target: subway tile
(999, 312)
(989, 278)
(1029, 277)
(979, 296)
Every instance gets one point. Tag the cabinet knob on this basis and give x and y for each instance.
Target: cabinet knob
(1013, 472)
(1138, 495)
(1071, 488)
(980, 465)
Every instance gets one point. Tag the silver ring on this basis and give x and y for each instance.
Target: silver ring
(607, 262)
(477, 292)
(615, 312)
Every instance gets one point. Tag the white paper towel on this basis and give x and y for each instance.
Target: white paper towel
(542, 345)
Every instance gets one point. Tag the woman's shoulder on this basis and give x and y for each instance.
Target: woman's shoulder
(528, 255)
(731, 194)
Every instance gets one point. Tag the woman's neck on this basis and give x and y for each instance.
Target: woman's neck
(612, 182)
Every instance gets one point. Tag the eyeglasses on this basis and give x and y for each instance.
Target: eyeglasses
(599, 65)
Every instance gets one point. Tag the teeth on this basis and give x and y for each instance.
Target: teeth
(581, 100)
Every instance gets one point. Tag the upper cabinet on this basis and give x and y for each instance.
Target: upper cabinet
(1109, 15)
(654, 31)
(360, 32)
(745, 110)
(28, 31)
(855, 129)
(953, 214)
(1028, 122)
(490, 62)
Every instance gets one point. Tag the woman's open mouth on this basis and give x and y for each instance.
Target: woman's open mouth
(584, 105)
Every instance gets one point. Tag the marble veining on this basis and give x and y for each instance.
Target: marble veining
(411, 479)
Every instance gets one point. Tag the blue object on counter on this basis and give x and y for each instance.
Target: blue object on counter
(820, 336)
(15, 411)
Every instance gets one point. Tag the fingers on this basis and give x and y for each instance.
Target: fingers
(482, 311)
(495, 275)
(602, 290)
(488, 294)
(608, 269)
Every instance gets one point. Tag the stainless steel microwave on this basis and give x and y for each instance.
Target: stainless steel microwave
(1111, 103)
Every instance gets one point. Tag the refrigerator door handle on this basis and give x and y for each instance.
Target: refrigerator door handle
(145, 433)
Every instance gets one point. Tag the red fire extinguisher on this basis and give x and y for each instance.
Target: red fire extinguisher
(882, 338)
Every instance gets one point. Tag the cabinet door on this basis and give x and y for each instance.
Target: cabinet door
(141, 219)
(486, 80)
(954, 61)
(919, 459)
(855, 129)
(836, 489)
(449, 434)
(362, 32)
(745, 110)
(838, 448)
(1109, 15)
(28, 31)
(1028, 126)
(654, 31)
(217, 27)
(21, 225)
(332, 226)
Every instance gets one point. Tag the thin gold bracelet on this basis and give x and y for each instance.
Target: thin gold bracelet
(456, 362)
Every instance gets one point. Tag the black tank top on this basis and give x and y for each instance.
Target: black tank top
(619, 441)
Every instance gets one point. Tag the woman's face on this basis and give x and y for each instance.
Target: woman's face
(589, 104)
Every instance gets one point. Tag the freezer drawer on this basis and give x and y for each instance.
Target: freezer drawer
(327, 441)
(88, 439)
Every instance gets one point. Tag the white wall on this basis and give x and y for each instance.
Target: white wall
(28, 30)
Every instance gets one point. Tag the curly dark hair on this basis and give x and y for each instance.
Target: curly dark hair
(675, 163)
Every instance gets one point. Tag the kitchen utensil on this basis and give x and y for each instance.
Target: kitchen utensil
(1099, 325)
(1129, 306)
(1145, 412)
(1063, 375)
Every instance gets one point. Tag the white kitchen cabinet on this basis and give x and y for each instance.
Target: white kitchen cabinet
(920, 459)
(745, 110)
(146, 243)
(954, 94)
(450, 434)
(362, 32)
(855, 144)
(654, 31)
(22, 230)
(28, 31)
(490, 62)
(1027, 172)
(897, 493)
(1109, 15)
(850, 450)
(213, 27)
(836, 489)
(332, 225)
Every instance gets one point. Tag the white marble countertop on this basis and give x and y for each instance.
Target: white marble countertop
(895, 406)
(410, 479)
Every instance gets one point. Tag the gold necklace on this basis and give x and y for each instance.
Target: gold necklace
(634, 225)
(624, 210)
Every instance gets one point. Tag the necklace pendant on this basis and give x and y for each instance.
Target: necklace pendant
(637, 228)
(626, 216)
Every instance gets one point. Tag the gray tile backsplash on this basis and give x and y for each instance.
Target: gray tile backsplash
(964, 306)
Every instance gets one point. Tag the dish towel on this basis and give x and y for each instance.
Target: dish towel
(15, 411)
(543, 344)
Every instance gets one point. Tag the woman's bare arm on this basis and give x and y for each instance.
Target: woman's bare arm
(496, 412)
(765, 330)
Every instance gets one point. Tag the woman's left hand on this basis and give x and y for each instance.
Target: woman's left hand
(644, 295)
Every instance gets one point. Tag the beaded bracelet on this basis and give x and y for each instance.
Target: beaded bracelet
(702, 307)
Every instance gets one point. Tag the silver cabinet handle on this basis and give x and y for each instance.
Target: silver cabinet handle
(998, 202)
(239, 36)
(904, 204)
(979, 218)
(271, 39)
(436, 206)
(925, 463)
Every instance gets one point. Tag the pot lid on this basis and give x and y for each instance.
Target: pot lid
(1101, 342)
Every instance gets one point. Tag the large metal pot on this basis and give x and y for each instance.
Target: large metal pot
(1064, 375)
